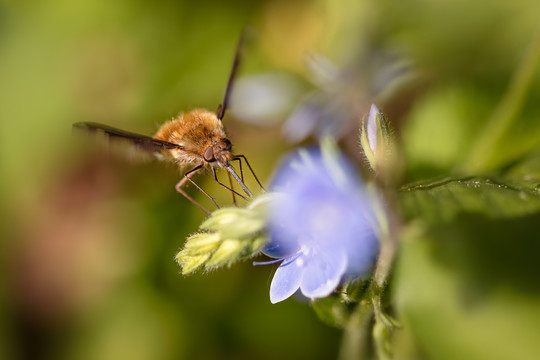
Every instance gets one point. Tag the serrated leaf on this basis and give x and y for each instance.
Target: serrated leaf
(442, 200)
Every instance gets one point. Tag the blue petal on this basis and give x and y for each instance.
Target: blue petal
(362, 253)
(323, 210)
(323, 272)
(286, 280)
(371, 127)
(280, 245)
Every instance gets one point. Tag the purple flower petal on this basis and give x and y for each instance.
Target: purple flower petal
(371, 127)
(324, 216)
(362, 254)
(322, 273)
(286, 280)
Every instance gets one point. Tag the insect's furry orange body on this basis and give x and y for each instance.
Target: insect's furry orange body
(196, 138)
(196, 132)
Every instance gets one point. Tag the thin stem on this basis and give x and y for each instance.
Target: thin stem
(356, 336)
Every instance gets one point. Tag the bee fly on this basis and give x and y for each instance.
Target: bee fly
(196, 138)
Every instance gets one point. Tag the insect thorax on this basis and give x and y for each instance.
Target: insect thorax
(195, 132)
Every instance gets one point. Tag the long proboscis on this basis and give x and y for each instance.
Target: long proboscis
(237, 178)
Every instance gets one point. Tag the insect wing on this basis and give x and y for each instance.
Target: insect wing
(142, 142)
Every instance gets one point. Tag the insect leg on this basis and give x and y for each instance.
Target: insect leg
(225, 186)
(250, 169)
(187, 177)
(232, 187)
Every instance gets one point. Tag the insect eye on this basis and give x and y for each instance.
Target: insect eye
(227, 144)
(209, 154)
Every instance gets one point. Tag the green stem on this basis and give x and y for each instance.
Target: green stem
(357, 333)
(483, 155)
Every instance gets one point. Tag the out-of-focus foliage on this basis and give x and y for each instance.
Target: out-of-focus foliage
(445, 199)
(474, 293)
(89, 241)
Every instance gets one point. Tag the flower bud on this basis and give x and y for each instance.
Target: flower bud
(378, 145)
(227, 236)
(374, 134)
(201, 243)
(234, 223)
(228, 252)
(257, 244)
(190, 263)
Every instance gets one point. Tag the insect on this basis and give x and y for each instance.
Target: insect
(196, 139)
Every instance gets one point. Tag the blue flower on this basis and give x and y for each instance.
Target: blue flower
(321, 225)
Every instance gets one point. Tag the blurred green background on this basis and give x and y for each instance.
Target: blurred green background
(90, 240)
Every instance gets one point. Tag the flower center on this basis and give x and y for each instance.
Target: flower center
(324, 220)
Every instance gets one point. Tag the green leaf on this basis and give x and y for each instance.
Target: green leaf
(332, 311)
(357, 335)
(442, 126)
(442, 200)
(381, 337)
(527, 168)
(469, 289)
(356, 291)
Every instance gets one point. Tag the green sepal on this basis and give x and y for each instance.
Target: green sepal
(332, 310)
(228, 235)
(228, 252)
(201, 243)
(190, 263)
